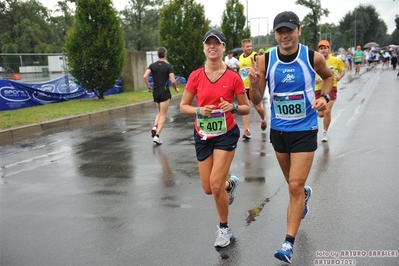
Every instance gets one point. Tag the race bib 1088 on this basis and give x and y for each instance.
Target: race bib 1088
(290, 106)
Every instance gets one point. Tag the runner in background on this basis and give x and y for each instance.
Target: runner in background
(337, 68)
(161, 72)
(358, 55)
(245, 64)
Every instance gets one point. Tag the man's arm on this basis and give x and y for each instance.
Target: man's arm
(173, 80)
(145, 77)
(341, 70)
(324, 72)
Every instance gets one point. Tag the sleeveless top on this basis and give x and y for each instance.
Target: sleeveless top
(291, 87)
(245, 65)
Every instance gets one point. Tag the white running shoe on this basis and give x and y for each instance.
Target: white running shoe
(224, 237)
(157, 140)
(153, 131)
(233, 180)
(324, 138)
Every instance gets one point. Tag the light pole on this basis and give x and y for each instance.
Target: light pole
(247, 15)
(66, 73)
(267, 33)
(355, 29)
(259, 28)
(319, 5)
(326, 34)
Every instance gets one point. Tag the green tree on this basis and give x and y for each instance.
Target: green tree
(233, 24)
(182, 26)
(94, 46)
(140, 21)
(62, 23)
(307, 35)
(332, 33)
(395, 33)
(366, 23)
(310, 24)
(25, 28)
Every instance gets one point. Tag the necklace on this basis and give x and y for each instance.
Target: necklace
(215, 73)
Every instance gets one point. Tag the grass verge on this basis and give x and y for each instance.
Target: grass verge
(42, 113)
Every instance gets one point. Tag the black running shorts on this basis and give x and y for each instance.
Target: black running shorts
(226, 142)
(291, 142)
(161, 95)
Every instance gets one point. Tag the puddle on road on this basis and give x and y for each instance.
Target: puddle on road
(251, 179)
(253, 213)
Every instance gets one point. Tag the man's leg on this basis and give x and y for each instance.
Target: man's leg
(261, 111)
(161, 117)
(246, 121)
(327, 115)
(296, 168)
(301, 163)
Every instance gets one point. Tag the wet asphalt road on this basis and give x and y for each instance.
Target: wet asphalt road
(106, 195)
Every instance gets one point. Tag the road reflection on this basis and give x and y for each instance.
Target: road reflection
(166, 173)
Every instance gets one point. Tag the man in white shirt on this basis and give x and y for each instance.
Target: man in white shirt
(231, 61)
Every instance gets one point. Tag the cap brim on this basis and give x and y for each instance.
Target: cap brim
(292, 26)
(213, 35)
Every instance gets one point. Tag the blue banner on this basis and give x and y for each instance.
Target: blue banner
(16, 95)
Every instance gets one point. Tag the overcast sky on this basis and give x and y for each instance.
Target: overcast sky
(262, 12)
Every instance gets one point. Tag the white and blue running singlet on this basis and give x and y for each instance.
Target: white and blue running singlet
(291, 88)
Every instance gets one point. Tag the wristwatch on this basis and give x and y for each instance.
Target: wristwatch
(326, 96)
(235, 108)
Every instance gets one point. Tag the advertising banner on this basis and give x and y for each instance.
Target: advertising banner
(16, 95)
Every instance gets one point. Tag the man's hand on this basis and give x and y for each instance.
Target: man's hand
(253, 73)
(320, 104)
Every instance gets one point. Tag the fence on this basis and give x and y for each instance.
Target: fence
(30, 66)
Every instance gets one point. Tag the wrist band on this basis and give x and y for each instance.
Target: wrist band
(198, 110)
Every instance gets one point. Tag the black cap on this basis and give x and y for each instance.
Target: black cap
(215, 33)
(286, 19)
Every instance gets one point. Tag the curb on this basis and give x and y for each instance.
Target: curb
(18, 134)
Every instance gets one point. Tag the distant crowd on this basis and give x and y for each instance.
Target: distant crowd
(372, 57)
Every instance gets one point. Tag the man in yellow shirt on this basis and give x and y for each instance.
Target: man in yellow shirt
(337, 68)
(245, 65)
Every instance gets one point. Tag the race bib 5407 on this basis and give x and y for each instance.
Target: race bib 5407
(213, 125)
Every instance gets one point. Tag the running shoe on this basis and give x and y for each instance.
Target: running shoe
(285, 252)
(157, 140)
(324, 138)
(305, 211)
(233, 180)
(224, 237)
(153, 131)
(263, 125)
(264, 99)
(247, 134)
(309, 193)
